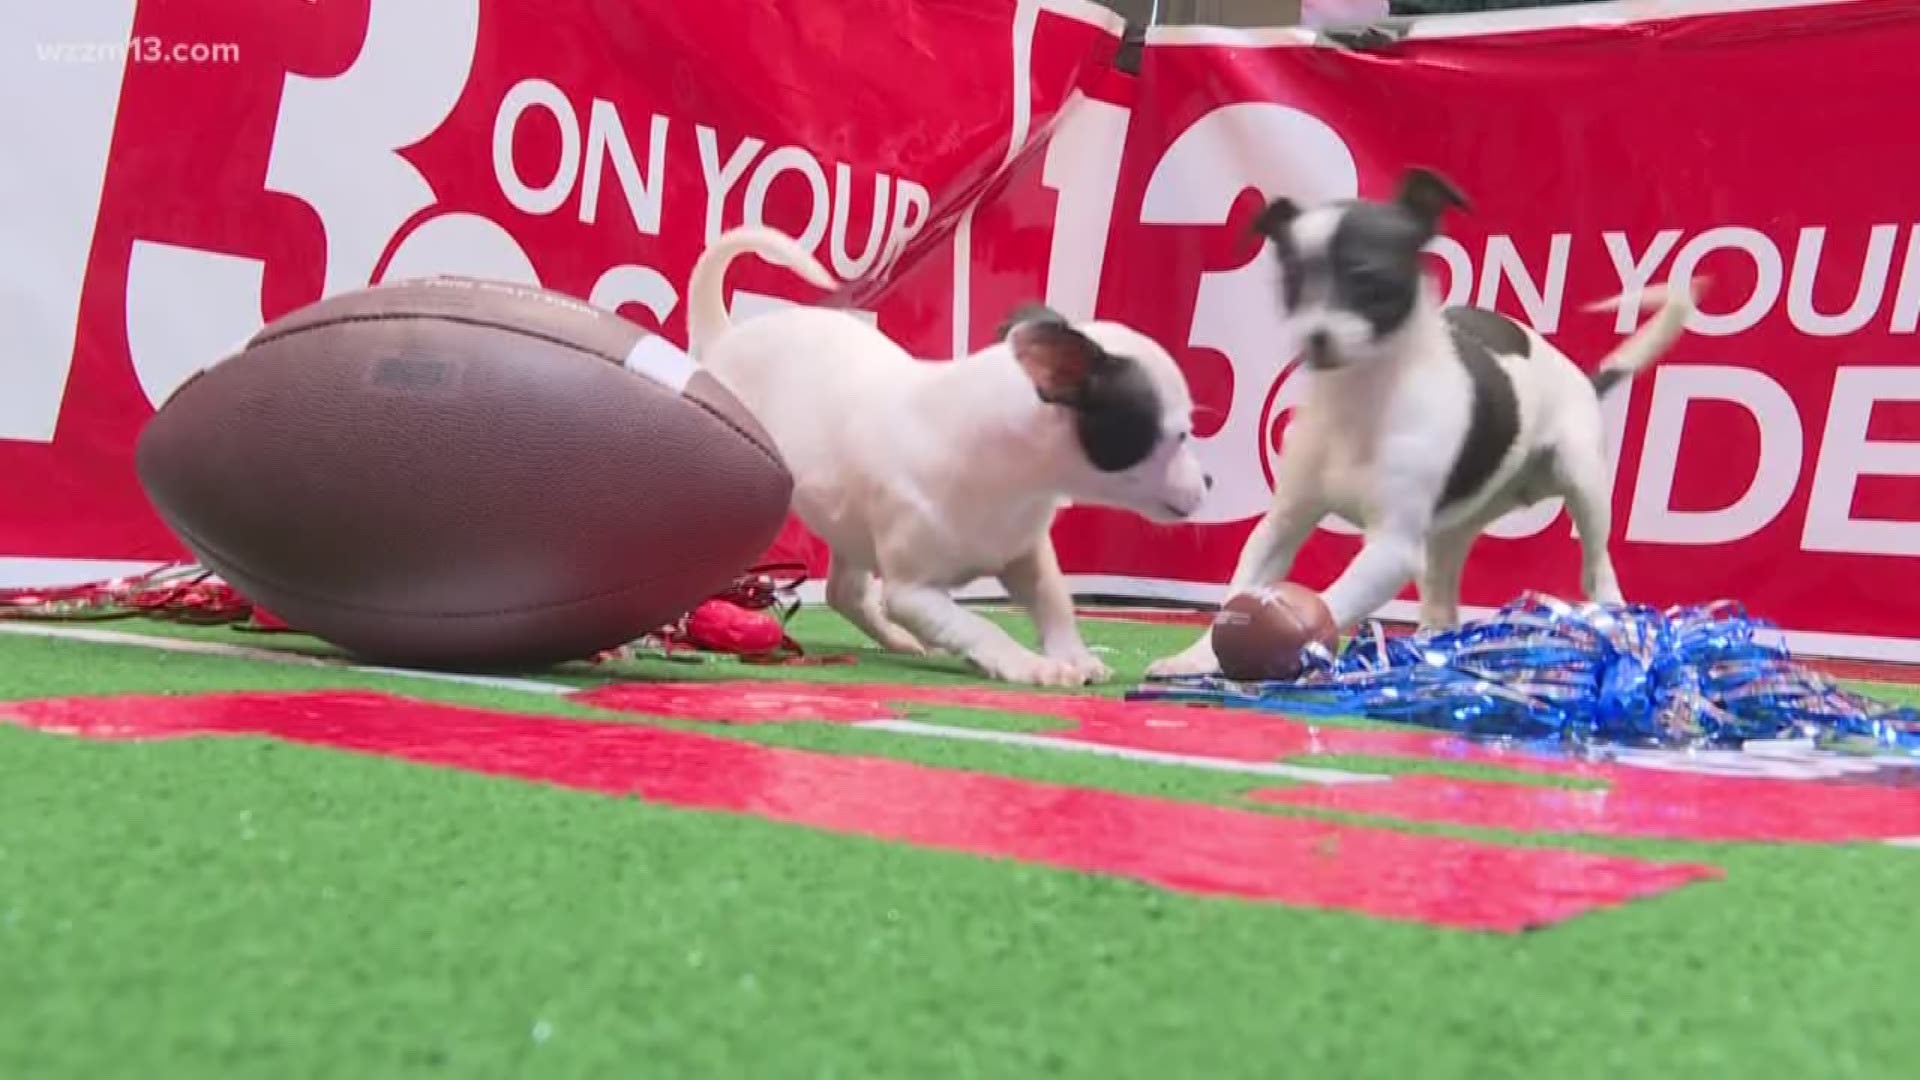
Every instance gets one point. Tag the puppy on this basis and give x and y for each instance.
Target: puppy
(922, 477)
(1422, 425)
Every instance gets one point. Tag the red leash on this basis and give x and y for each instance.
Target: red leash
(178, 593)
(747, 619)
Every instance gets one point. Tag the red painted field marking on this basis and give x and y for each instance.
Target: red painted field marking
(1203, 850)
(1642, 804)
(1637, 801)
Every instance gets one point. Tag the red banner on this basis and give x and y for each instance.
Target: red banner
(187, 170)
(1771, 457)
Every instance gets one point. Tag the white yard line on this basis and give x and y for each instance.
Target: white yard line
(1155, 757)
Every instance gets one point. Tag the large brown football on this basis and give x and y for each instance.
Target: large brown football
(464, 473)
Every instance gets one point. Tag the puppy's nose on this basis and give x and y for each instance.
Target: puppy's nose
(1319, 341)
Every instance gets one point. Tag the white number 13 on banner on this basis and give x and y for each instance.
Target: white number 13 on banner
(334, 147)
(57, 136)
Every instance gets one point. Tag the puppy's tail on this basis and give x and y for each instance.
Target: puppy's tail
(706, 286)
(1650, 342)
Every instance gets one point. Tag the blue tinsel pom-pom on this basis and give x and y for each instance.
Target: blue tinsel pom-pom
(1543, 669)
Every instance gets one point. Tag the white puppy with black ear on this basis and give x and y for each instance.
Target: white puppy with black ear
(922, 477)
(1422, 424)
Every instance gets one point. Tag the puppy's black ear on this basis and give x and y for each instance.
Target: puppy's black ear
(1029, 313)
(1275, 217)
(1427, 195)
(1059, 359)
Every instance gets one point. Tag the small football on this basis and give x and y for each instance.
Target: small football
(456, 472)
(1261, 634)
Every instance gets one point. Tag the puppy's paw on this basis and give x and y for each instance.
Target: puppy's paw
(895, 640)
(1090, 668)
(1029, 669)
(1068, 673)
(1198, 659)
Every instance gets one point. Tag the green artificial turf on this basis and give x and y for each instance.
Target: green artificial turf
(243, 908)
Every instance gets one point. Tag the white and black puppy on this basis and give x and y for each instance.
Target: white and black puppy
(922, 477)
(1422, 424)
